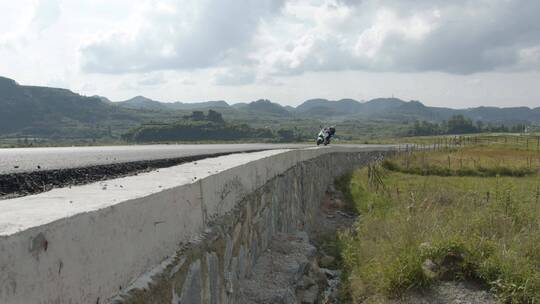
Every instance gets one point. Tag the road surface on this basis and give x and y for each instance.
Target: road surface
(22, 160)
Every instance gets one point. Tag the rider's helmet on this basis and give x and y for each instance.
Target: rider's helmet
(332, 130)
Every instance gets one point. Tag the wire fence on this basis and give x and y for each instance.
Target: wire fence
(519, 141)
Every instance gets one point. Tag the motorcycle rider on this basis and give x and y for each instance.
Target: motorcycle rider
(326, 133)
(331, 132)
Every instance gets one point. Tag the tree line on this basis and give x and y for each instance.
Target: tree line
(459, 124)
(201, 126)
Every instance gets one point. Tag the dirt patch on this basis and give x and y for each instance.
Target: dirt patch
(450, 293)
(22, 184)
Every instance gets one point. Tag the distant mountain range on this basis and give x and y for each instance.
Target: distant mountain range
(143, 103)
(44, 111)
(379, 108)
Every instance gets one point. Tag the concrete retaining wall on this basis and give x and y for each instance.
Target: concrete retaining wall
(184, 234)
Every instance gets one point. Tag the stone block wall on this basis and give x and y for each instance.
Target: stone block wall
(208, 268)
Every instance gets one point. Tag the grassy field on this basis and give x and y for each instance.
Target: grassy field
(470, 213)
(474, 160)
(526, 141)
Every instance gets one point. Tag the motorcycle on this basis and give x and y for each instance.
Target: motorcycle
(324, 135)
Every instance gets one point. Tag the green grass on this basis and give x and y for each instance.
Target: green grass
(515, 141)
(475, 160)
(479, 228)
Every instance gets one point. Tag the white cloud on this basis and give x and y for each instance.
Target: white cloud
(25, 20)
(529, 58)
(188, 82)
(278, 37)
(455, 36)
(176, 34)
(387, 23)
(233, 76)
(287, 50)
(46, 13)
(152, 79)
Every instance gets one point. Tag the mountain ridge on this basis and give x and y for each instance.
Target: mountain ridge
(141, 102)
(60, 112)
(55, 112)
(336, 107)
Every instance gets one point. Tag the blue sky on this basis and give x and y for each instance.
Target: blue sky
(458, 53)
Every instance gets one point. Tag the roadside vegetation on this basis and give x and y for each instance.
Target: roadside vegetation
(478, 160)
(466, 213)
(459, 124)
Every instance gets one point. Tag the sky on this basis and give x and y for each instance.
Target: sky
(459, 54)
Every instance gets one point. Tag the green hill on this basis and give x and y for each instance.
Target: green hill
(265, 106)
(143, 103)
(30, 111)
(43, 111)
(196, 131)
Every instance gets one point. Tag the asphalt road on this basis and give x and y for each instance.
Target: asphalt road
(35, 159)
